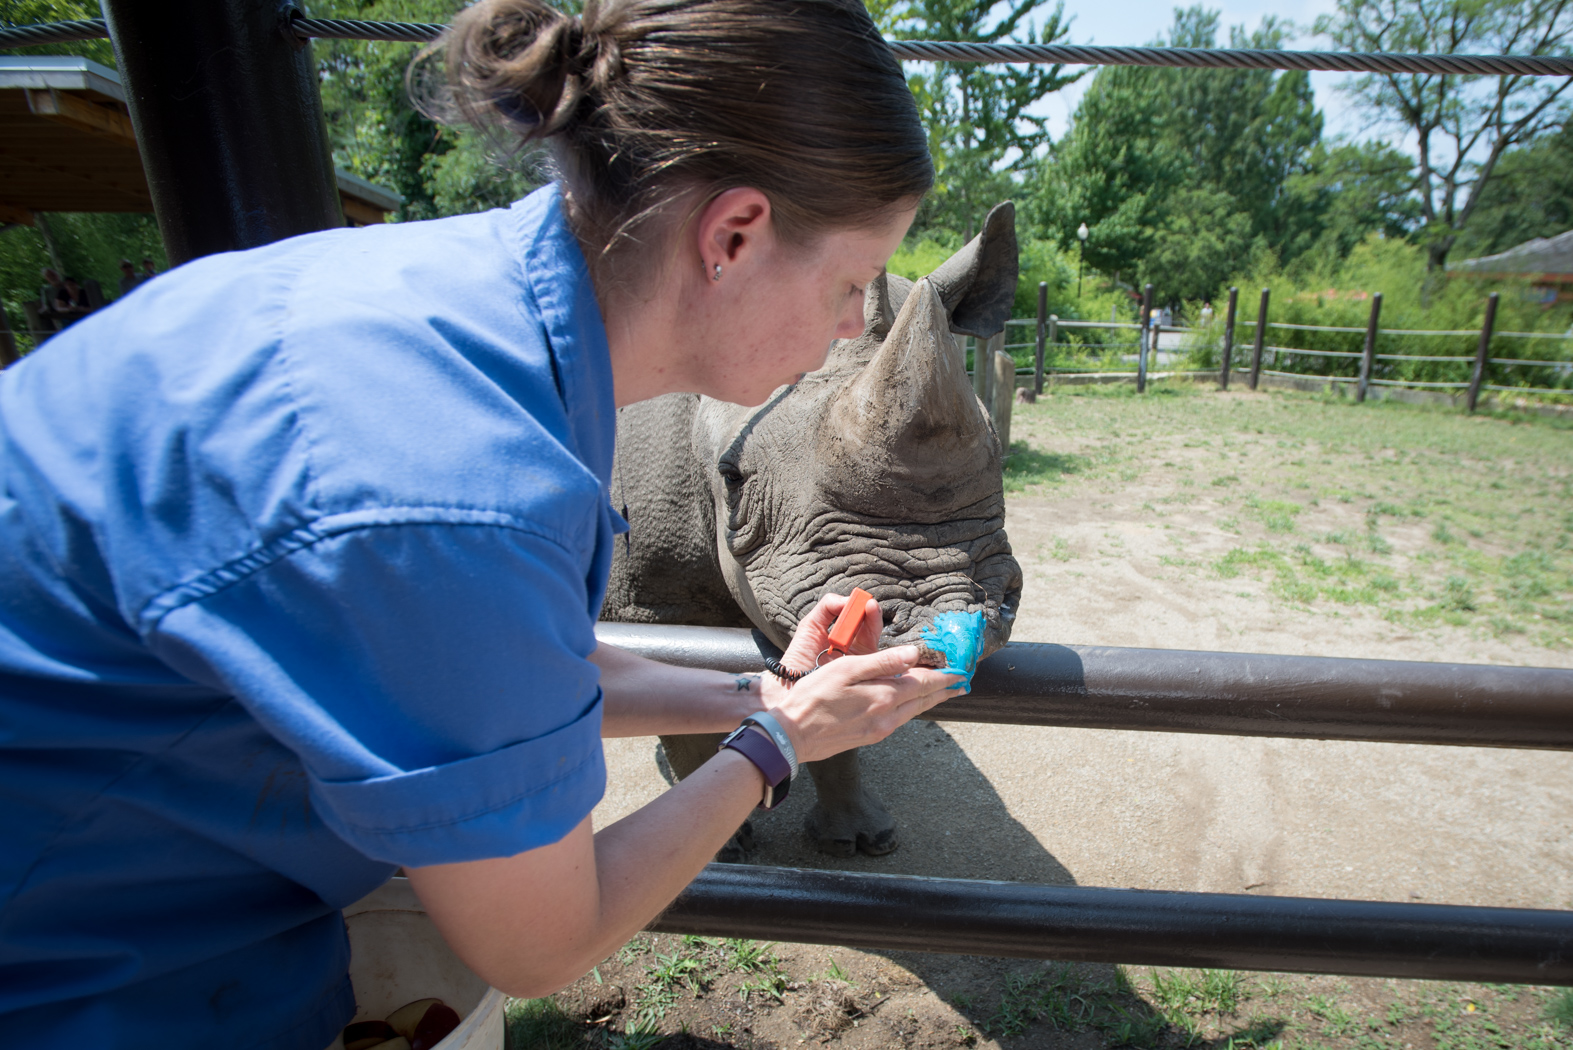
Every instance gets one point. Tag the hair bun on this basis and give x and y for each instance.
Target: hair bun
(525, 62)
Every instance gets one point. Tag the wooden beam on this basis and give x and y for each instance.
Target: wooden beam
(359, 212)
(19, 216)
(76, 112)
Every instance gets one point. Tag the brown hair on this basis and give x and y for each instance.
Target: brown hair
(644, 102)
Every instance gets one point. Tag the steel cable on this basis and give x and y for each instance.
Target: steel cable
(941, 51)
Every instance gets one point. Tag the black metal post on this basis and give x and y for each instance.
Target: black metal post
(1144, 927)
(1145, 341)
(1043, 318)
(1228, 340)
(1261, 339)
(1483, 355)
(1368, 357)
(228, 121)
(8, 350)
(1178, 691)
(1054, 341)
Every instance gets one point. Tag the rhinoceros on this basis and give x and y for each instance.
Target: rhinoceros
(881, 470)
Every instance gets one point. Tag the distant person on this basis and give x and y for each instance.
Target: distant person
(129, 278)
(1207, 313)
(148, 273)
(71, 302)
(1166, 317)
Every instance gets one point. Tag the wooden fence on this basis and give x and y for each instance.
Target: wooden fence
(1124, 344)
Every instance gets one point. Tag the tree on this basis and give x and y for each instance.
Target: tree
(1347, 192)
(378, 134)
(1463, 125)
(1153, 151)
(1530, 195)
(1114, 170)
(980, 133)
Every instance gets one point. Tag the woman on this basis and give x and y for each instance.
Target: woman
(299, 583)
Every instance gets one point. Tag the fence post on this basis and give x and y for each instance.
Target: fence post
(1228, 339)
(1142, 346)
(1054, 340)
(1043, 311)
(1368, 358)
(1261, 338)
(1483, 355)
(1004, 395)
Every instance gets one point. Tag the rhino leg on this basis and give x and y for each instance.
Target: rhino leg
(847, 816)
(686, 754)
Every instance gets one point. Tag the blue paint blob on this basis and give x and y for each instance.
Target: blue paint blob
(958, 636)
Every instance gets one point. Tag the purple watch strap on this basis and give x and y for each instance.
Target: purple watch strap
(762, 752)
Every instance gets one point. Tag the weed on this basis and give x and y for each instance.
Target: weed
(836, 973)
(643, 1034)
(1227, 479)
(1061, 551)
(1458, 595)
(1276, 515)
(1560, 1012)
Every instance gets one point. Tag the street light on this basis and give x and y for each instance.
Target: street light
(1081, 236)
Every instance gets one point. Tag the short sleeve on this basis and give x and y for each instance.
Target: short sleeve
(433, 679)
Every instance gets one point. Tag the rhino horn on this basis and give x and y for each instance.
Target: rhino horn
(910, 419)
(978, 283)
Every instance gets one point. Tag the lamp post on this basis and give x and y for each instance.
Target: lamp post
(1081, 247)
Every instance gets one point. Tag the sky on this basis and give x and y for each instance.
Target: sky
(1136, 22)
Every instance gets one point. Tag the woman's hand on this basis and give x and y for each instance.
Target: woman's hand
(853, 700)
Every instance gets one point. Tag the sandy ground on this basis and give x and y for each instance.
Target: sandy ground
(1116, 563)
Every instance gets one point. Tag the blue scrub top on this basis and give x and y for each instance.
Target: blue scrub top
(301, 551)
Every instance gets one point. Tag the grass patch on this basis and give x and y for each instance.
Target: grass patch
(540, 1024)
(1467, 521)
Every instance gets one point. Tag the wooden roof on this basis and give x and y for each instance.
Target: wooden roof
(67, 144)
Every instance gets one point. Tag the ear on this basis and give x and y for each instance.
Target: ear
(731, 227)
(978, 283)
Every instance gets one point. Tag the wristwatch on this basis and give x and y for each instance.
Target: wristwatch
(771, 752)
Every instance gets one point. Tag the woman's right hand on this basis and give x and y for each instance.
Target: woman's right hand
(853, 700)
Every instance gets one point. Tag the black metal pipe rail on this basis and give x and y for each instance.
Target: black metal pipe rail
(1179, 691)
(954, 51)
(1144, 927)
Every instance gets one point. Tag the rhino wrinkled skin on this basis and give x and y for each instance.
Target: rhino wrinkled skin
(881, 470)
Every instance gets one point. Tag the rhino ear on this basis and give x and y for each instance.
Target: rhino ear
(978, 283)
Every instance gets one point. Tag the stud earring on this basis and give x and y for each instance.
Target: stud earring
(717, 272)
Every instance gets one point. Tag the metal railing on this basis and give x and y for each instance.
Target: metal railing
(1466, 705)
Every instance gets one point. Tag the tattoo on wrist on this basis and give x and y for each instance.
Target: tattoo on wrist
(745, 682)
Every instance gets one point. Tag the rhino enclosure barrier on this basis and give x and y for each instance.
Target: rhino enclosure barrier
(1161, 690)
(1474, 369)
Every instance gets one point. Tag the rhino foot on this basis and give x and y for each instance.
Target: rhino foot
(843, 831)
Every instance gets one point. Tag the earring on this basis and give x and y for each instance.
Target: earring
(717, 272)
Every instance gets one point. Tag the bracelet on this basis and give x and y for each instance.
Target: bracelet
(773, 665)
(767, 722)
(760, 749)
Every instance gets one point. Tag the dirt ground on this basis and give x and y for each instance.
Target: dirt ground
(1126, 539)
